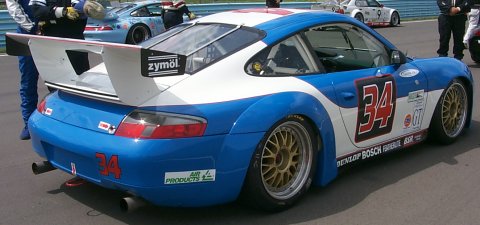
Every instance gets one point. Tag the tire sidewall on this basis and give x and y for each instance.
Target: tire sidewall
(360, 17)
(130, 38)
(254, 187)
(437, 130)
(397, 16)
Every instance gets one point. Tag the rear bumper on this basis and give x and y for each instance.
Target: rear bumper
(142, 164)
(116, 36)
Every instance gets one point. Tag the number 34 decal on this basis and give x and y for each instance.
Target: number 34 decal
(110, 167)
(376, 107)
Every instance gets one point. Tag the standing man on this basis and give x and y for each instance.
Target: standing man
(273, 3)
(473, 17)
(23, 16)
(452, 19)
(173, 11)
(66, 19)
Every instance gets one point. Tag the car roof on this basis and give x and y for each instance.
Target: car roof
(279, 23)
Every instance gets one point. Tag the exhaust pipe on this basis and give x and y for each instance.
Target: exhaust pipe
(42, 167)
(130, 204)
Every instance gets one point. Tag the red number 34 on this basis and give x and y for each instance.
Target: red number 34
(377, 110)
(376, 107)
(110, 167)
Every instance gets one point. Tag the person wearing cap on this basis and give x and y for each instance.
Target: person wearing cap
(452, 18)
(66, 19)
(173, 12)
(23, 16)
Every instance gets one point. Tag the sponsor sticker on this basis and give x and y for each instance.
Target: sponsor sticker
(185, 177)
(416, 96)
(104, 126)
(407, 121)
(157, 63)
(409, 73)
(48, 111)
(74, 169)
(398, 143)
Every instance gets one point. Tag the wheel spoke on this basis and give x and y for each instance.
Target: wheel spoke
(286, 160)
(453, 109)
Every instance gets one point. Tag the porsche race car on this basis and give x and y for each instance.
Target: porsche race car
(370, 12)
(131, 23)
(256, 103)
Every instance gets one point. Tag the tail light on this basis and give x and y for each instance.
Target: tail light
(41, 107)
(155, 125)
(98, 28)
(477, 33)
(340, 10)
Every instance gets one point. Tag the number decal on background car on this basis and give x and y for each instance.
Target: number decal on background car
(111, 167)
(376, 107)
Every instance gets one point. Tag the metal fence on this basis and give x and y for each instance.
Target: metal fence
(407, 9)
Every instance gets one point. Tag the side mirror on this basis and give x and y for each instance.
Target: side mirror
(381, 5)
(397, 57)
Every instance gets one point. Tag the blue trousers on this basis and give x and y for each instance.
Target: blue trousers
(28, 84)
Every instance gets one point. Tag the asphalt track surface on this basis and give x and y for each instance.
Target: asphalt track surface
(426, 184)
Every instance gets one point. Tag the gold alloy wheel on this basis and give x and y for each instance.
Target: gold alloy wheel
(286, 160)
(454, 110)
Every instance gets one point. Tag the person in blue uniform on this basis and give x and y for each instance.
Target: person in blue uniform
(23, 16)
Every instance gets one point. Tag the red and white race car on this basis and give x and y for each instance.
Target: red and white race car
(370, 12)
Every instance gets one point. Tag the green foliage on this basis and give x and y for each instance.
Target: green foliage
(3, 6)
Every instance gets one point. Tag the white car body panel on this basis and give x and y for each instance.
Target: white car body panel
(373, 16)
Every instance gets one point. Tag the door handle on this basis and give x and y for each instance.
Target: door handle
(347, 95)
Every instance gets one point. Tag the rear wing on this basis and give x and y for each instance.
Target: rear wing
(129, 74)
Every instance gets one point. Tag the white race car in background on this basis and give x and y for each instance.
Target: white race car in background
(369, 12)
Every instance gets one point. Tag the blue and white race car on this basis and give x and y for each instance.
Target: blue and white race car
(255, 103)
(129, 23)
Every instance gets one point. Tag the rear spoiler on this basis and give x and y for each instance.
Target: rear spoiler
(130, 74)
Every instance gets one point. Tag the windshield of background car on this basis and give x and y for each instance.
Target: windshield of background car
(203, 44)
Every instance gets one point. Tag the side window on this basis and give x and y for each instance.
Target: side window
(288, 57)
(361, 3)
(155, 10)
(344, 47)
(141, 12)
(373, 3)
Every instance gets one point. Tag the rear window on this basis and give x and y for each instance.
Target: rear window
(203, 44)
(122, 8)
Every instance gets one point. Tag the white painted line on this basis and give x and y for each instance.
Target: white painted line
(418, 21)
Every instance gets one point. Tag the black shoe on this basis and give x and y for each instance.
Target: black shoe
(442, 55)
(25, 135)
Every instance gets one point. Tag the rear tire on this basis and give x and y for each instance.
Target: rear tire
(359, 17)
(450, 114)
(137, 34)
(474, 48)
(282, 167)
